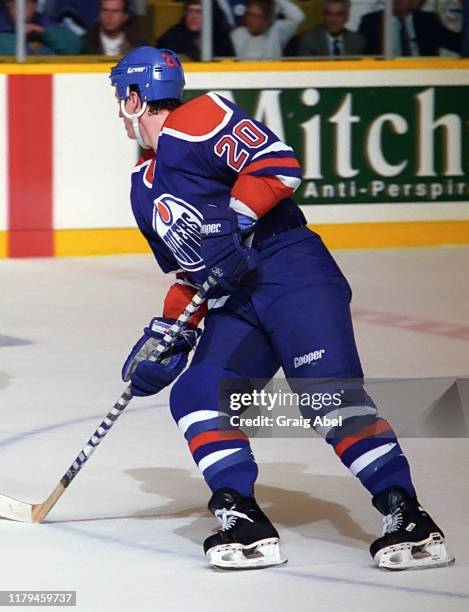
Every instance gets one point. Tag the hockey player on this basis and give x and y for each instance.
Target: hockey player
(212, 195)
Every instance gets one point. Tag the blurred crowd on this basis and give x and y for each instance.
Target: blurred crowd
(245, 29)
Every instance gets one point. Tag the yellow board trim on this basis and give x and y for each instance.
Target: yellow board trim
(335, 235)
(119, 241)
(3, 245)
(393, 234)
(75, 64)
(114, 241)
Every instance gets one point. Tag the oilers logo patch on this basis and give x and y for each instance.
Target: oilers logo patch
(178, 224)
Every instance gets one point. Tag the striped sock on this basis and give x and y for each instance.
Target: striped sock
(372, 453)
(222, 453)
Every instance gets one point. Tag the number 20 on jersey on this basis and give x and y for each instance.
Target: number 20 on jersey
(232, 146)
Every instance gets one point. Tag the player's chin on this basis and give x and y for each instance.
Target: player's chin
(130, 133)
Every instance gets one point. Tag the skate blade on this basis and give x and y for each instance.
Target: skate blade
(264, 553)
(428, 553)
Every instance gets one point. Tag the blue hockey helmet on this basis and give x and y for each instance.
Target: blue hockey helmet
(157, 73)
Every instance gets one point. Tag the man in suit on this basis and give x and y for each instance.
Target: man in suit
(331, 37)
(413, 32)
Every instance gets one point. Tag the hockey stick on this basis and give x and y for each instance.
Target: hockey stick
(35, 513)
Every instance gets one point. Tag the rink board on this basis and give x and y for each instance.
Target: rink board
(381, 145)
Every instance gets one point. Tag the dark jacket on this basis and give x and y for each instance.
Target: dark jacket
(87, 11)
(180, 40)
(314, 42)
(429, 32)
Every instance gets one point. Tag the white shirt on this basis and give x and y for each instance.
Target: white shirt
(112, 46)
(270, 44)
(330, 43)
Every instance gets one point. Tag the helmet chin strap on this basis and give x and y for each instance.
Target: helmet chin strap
(134, 117)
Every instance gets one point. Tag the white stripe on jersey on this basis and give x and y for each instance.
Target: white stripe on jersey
(292, 182)
(276, 146)
(144, 166)
(242, 208)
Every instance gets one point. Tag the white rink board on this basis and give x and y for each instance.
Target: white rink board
(3, 155)
(324, 78)
(93, 157)
(376, 213)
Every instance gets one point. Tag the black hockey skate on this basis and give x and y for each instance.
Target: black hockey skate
(247, 538)
(411, 539)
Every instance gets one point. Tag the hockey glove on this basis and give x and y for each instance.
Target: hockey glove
(150, 377)
(222, 251)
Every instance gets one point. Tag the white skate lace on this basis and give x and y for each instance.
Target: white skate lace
(228, 518)
(392, 522)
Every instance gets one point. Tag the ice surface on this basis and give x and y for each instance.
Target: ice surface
(127, 534)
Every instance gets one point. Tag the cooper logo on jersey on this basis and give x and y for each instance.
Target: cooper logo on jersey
(178, 224)
(210, 228)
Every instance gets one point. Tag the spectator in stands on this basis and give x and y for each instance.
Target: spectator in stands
(85, 12)
(44, 36)
(414, 32)
(233, 11)
(185, 37)
(331, 37)
(79, 15)
(69, 16)
(264, 36)
(114, 33)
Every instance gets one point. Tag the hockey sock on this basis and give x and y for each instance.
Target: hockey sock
(372, 453)
(364, 442)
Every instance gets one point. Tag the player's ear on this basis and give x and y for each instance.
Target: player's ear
(135, 102)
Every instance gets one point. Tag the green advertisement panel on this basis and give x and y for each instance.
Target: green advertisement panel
(376, 144)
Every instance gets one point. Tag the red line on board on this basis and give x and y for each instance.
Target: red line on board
(30, 166)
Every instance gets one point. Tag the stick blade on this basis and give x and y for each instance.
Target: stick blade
(15, 510)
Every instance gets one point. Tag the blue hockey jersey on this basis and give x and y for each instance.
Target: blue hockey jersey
(211, 152)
